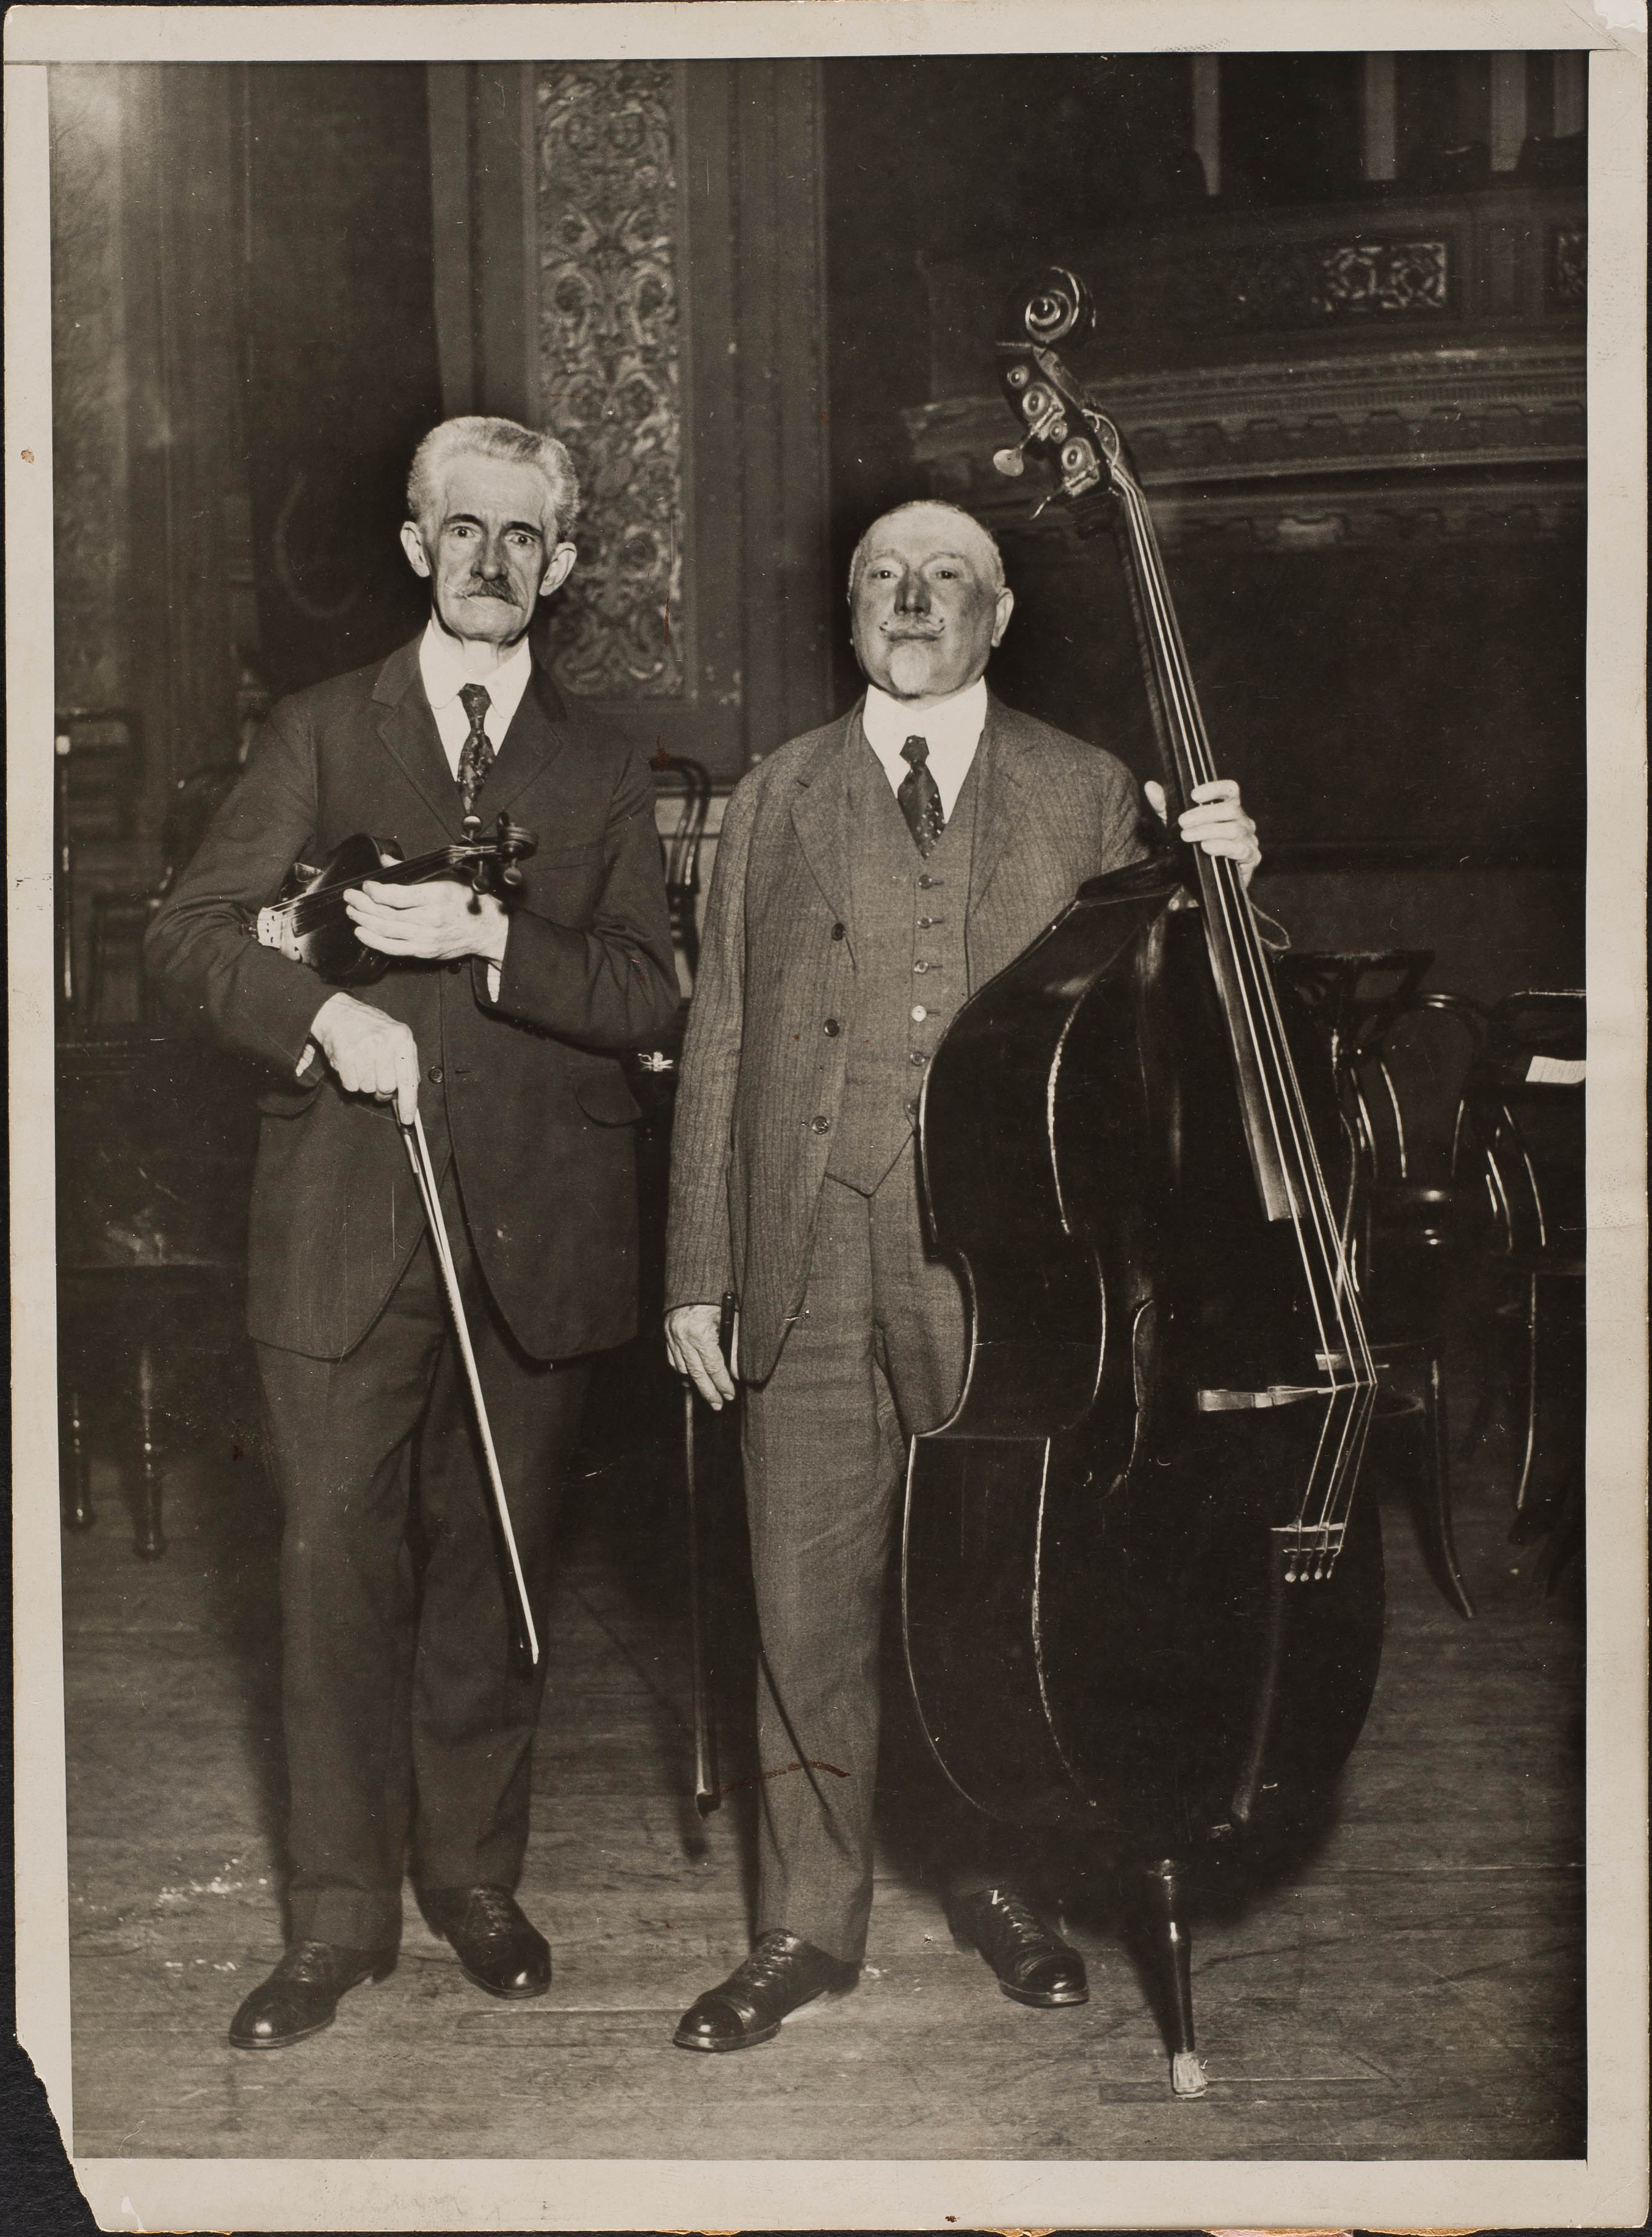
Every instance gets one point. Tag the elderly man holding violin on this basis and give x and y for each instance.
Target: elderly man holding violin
(493, 1022)
(870, 876)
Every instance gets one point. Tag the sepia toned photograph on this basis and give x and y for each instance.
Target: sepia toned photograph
(823, 1153)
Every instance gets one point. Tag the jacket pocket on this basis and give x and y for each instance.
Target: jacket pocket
(604, 1094)
(285, 1098)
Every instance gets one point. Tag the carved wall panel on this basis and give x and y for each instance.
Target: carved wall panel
(1347, 450)
(608, 169)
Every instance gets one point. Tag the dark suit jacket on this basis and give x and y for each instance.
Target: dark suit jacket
(532, 1096)
(778, 959)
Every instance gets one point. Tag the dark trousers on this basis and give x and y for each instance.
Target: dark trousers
(408, 1721)
(876, 1356)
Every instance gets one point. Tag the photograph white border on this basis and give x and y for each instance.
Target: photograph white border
(1609, 2189)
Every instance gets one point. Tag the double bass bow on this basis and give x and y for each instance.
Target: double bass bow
(1140, 1595)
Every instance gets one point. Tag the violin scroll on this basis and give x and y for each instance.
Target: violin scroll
(494, 868)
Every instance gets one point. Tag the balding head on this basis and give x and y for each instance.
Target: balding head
(953, 521)
(927, 601)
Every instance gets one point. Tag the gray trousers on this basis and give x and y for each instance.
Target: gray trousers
(876, 1356)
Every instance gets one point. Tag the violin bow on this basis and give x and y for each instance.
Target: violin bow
(418, 1157)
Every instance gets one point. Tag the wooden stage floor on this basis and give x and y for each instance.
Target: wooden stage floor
(1414, 1989)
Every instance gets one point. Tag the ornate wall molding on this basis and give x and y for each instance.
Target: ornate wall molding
(1333, 450)
(611, 238)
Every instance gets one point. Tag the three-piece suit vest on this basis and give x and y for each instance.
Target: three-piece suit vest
(908, 916)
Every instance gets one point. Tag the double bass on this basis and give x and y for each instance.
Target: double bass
(1141, 1596)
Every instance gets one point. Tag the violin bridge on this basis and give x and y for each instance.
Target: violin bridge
(1308, 1551)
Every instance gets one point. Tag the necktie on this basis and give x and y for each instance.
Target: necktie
(476, 755)
(920, 798)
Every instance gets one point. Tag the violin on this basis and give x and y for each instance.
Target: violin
(311, 923)
(1141, 1594)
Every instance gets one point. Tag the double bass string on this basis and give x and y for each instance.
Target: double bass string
(1260, 1002)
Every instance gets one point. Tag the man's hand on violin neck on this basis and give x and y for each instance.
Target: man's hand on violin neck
(692, 1348)
(1216, 822)
(371, 1053)
(438, 922)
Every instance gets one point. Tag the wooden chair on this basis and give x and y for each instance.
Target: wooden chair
(680, 851)
(1521, 1140)
(1400, 1209)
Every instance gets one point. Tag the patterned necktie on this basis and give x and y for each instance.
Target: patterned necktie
(920, 798)
(476, 755)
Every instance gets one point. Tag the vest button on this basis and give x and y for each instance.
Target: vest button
(920, 966)
(453, 968)
(820, 1125)
(831, 1029)
(912, 1106)
(837, 931)
(925, 882)
(919, 1013)
(916, 1056)
(434, 1075)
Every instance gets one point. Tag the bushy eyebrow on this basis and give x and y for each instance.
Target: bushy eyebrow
(531, 527)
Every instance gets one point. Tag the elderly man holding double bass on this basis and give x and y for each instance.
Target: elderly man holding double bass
(497, 1027)
(870, 876)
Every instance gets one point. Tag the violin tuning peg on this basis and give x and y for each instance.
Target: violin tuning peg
(1010, 462)
(510, 875)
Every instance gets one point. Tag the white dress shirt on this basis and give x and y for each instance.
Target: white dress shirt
(444, 676)
(952, 728)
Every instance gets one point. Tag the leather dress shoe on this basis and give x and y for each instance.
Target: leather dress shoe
(498, 1948)
(301, 1995)
(783, 1973)
(1033, 1966)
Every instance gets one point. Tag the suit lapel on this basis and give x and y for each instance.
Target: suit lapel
(1006, 795)
(534, 739)
(819, 814)
(408, 730)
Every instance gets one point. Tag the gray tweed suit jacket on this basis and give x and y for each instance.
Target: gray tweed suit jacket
(778, 959)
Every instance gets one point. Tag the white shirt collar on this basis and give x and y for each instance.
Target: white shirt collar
(952, 728)
(951, 725)
(442, 669)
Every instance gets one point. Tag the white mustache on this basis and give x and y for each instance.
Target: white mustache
(909, 636)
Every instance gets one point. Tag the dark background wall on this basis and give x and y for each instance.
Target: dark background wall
(1396, 680)
(248, 277)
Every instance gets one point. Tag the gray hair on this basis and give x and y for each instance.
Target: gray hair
(931, 504)
(474, 436)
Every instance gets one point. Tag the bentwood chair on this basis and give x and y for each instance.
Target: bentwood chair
(1521, 1142)
(1399, 1228)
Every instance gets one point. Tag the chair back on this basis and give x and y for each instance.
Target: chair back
(680, 850)
(1522, 1123)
